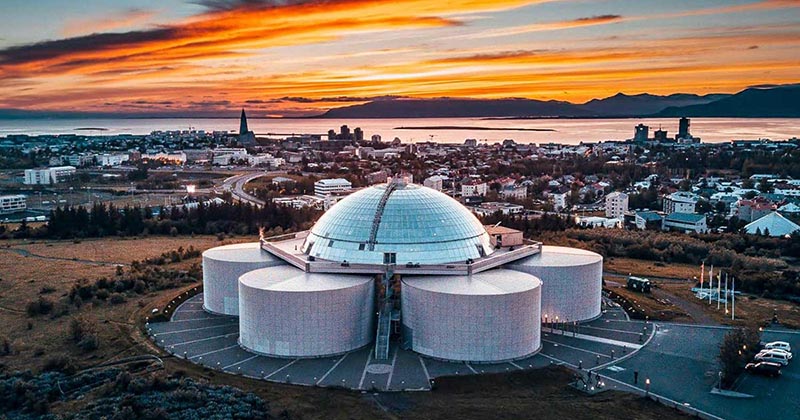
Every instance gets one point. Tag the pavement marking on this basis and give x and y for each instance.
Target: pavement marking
(516, 365)
(193, 329)
(331, 369)
(611, 329)
(559, 360)
(557, 344)
(364, 373)
(281, 368)
(239, 363)
(391, 372)
(470, 368)
(198, 319)
(608, 341)
(214, 351)
(425, 368)
(203, 339)
(653, 332)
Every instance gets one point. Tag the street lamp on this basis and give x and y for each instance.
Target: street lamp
(647, 387)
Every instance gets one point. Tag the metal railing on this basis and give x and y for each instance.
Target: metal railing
(303, 262)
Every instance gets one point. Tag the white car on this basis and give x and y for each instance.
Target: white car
(780, 358)
(776, 351)
(780, 345)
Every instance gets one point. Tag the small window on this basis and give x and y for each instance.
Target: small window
(330, 244)
(361, 247)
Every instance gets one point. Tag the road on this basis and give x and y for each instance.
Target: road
(235, 185)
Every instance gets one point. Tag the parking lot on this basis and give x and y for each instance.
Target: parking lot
(681, 363)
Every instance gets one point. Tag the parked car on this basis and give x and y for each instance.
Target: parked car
(782, 345)
(777, 351)
(764, 368)
(781, 358)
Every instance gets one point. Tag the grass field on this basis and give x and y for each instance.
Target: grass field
(52, 267)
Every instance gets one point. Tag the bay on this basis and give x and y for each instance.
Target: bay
(443, 130)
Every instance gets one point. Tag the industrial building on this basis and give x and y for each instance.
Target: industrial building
(399, 264)
(222, 267)
(573, 282)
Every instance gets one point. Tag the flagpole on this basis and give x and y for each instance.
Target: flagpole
(719, 287)
(702, 271)
(726, 293)
(710, 282)
(733, 299)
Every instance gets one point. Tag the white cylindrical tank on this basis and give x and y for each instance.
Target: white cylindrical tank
(488, 317)
(222, 267)
(572, 282)
(286, 312)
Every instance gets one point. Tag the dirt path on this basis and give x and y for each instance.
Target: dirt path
(26, 253)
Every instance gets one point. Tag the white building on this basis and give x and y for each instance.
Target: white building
(516, 192)
(616, 205)
(173, 157)
(325, 187)
(599, 222)
(492, 207)
(435, 182)
(685, 222)
(112, 160)
(474, 189)
(222, 267)
(573, 282)
(773, 224)
(12, 203)
(49, 176)
(680, 202)
(559, 200)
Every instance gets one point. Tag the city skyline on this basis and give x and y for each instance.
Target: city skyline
(291, 58)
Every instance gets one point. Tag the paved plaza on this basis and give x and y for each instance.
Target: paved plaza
(679, 359)
(211, 340)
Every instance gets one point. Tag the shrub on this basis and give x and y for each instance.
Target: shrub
(117, 298)
(41, 306)
(59, 364)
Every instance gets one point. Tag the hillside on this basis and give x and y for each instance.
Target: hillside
(457, 107)
(780, 101)
(645, 103)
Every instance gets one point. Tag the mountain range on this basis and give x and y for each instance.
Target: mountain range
(754, 102)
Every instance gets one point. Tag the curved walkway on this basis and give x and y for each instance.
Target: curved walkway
(212, 341)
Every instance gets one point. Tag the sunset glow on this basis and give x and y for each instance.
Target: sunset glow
(301, 58)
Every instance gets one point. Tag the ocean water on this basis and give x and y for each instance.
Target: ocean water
(567, 131)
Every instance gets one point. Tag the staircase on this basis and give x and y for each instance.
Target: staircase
(384, 319)
(384, 330)
(376, 221)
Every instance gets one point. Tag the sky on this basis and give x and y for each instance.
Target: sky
(301, 57)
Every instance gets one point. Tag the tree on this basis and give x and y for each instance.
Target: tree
(738, 347)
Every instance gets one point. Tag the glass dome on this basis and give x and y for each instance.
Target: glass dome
(398, 223)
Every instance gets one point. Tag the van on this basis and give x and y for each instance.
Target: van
(776, 351)
(779, 358)
(781, 345)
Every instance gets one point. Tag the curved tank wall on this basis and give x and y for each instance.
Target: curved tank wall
(222, 267)
(286, 312)
(490, 316)
(572, 282)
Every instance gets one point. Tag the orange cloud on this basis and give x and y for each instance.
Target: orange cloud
(227, 56)
(549, 26)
